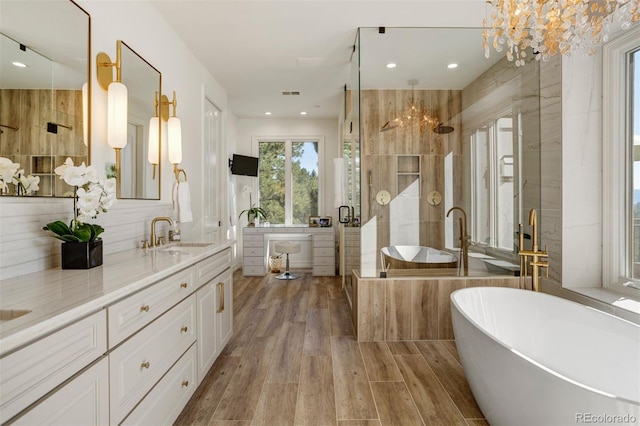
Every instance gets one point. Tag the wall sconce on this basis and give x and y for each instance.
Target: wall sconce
(174, 134)
(116, 101)
(153, 153)
(85, 114)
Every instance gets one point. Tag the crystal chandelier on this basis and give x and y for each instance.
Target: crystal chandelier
(554, 26)
(417, 114)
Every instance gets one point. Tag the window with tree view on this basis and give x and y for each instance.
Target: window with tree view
(621, 165)
(288, 180)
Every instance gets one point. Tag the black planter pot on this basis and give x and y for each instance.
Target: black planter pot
(82, 255)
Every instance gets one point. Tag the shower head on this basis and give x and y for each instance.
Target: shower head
(443, 130)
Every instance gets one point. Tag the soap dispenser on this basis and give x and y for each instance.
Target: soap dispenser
(174, 233)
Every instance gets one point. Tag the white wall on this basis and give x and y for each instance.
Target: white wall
(582, 171)
(24, 247)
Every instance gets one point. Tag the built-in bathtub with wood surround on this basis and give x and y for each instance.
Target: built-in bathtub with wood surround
(410, 307)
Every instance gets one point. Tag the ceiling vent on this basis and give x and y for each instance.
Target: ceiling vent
(291, 93)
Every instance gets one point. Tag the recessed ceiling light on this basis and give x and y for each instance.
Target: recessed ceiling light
(267, 113)
(391, 65)
(303, 113)
(19, 64)
(452, 66)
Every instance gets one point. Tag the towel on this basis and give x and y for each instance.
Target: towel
(182, 202)
(339, 182)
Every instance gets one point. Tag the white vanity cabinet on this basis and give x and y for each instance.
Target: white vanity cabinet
(163, 404)
(137, 365)
(82, 401)
(31, 372)
(215, 310)
(134, 358)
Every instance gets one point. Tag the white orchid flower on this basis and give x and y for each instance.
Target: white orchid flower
(8, 170)
(75, 176)
(30, 183)
(89, 202)
(109, 185)
(60, 169)
(91, 174)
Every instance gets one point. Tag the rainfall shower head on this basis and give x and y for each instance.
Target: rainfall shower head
(442, 129)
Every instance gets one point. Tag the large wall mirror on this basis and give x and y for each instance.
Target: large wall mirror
(139, 179)
(45, 48)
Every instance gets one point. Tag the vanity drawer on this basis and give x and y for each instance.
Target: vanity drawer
(253, 261)
(324, 251)
(324, 261)
(253, 241)
(253, 251)
(212, 266)
(323, 271)
(163, 404)
(31, 372)
(131, 314)
(141, 361)
(330, 242)
(253, 271)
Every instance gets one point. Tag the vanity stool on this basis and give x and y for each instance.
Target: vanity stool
(287, 247)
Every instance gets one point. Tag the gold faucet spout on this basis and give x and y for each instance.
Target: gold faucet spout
(535, 254)
(155, 220)
(533, 221)
(464, 238)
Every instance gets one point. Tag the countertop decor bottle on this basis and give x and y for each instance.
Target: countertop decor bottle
(174, 234)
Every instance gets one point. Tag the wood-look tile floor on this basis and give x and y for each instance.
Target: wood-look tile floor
(294, 360)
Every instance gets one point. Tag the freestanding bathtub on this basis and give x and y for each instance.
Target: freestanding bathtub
(418, 257)
(535, 359)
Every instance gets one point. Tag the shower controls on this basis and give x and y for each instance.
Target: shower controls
(383, 197)
(434, 198)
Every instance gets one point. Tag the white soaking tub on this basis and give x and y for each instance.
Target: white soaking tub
(536, 359)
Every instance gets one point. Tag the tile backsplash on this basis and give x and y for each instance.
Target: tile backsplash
(25, 247)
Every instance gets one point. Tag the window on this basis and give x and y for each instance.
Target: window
(621, 153)
(492, 180)
(288, 179)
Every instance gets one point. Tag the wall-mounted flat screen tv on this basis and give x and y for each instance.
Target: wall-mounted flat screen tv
(244, 165)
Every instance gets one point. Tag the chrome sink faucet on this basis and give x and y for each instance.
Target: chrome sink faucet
(153, 241)
(464, 238)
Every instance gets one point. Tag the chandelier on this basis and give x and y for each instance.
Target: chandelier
(553, 27)
(417, 114)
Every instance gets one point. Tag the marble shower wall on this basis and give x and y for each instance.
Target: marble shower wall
(387, 158)
(551, 163)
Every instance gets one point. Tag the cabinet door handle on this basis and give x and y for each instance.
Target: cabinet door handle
(184, 329)
(220, 297)
(184, 285)
(185, 383)
(145, 365)
(145, 308)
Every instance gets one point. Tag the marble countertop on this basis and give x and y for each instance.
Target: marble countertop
(58, 297)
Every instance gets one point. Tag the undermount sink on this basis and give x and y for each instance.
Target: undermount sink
(182, 247)
(189, 245)
(9, 314)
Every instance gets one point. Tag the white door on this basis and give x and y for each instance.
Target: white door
(212, 191)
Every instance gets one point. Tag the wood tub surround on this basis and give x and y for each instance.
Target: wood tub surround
(410, 308)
